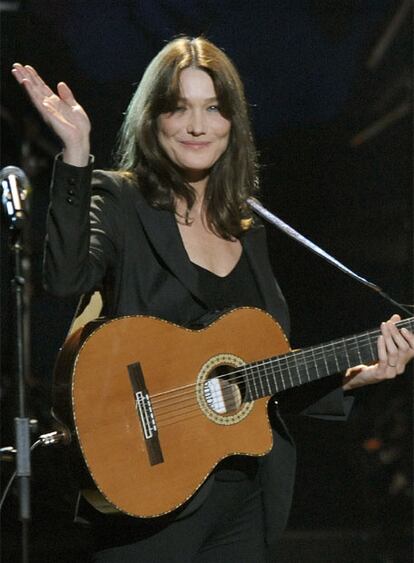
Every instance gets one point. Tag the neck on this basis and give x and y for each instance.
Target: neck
(188, 216)
(197, 210)
(199, 186)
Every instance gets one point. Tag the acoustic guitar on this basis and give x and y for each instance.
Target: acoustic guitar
(155, 406)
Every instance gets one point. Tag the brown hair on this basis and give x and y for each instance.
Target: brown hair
(232, 178)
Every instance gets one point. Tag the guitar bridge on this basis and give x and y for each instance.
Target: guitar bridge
(145, 413)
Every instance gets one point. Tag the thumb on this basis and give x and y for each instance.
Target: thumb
(66, 94)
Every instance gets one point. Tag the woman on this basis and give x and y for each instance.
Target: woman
(170, 234)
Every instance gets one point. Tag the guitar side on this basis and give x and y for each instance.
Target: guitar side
(174, 363)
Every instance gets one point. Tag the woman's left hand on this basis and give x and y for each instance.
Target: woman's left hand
(395, 350)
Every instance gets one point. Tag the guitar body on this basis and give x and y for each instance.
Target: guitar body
(136, 391)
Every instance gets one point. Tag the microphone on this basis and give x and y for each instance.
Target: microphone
(15, 191)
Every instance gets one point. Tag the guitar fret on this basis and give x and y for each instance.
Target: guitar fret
(353, 352)
(253, 378)
(261, 384)
(255, 387)
(249, 395)
(338, 369)
(297, 368)
(261, 371)
(346, 352)
(327, 358)
(307, 370)
(271, 381)
(331, 360)
(275, 380)
(320, 361)
(282, 361)
(373, 351)
(305, 355)
(315, 365)
(307, 374)
(324, 360)
(305, 362)
(269, 389)
(292, 366)
(358, 350)
(342, 359)
(281, 373)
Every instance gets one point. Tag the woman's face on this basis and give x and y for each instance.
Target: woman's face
(195, 134)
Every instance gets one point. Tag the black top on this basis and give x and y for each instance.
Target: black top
(237, 289)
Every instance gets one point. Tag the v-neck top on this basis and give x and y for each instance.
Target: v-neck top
(237, 289)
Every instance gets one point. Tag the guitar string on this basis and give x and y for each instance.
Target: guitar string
(170, 416)
(167, 413)
(317, 352)
(299, 361)
(181, 398)
(184, 418)
(167, 417)
(287, 357)
(188, 402)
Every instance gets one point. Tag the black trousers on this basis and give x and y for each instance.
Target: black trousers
(228, 527)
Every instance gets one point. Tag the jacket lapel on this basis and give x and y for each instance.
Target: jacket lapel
(163, 234)
(254, 245)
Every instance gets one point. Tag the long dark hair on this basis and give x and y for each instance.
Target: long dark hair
(232, 179)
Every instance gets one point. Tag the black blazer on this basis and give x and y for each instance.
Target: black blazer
(134, 254)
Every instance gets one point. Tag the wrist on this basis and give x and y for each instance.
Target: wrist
(76, 156)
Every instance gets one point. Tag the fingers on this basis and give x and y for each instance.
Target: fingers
(60, 111)
(19, 72)
(395, 348)
(52, 107)
(39, 91)
(394, 319)
(409, 337)
(28, 76)
(392, 343)
(35, 87)
(66, 94)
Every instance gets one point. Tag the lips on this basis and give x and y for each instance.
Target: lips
(194, 145)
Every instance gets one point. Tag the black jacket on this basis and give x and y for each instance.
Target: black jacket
(134, 255)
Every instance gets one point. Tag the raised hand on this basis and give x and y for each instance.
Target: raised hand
(60, 111)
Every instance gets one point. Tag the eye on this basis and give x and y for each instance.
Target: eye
(213, 108)
(179, 109)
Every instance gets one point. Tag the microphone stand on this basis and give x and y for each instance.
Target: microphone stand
(21, 423)
(14, 194)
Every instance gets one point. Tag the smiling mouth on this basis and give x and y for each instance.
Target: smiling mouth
(193, 145)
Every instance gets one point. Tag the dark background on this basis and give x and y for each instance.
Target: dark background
(330, 92)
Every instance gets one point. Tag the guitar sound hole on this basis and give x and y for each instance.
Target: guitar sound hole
(224, 390)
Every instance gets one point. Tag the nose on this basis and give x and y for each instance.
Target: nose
(196, 124)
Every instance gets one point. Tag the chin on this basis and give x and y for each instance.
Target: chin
(196, 168)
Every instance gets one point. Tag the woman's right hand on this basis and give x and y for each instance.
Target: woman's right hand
(60, 111)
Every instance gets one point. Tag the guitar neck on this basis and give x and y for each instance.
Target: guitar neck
(270, 376)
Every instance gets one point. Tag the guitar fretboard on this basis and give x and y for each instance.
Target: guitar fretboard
(267, 377)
